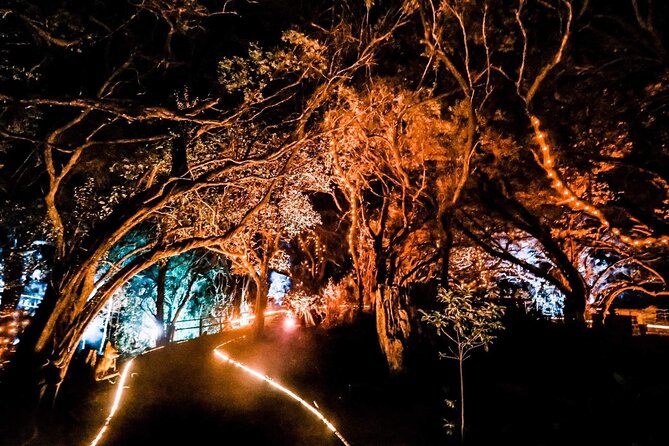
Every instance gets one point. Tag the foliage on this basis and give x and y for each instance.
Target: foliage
(191, 291)
(121, 143)
(406, 133)
(311, 309)
(467, 322)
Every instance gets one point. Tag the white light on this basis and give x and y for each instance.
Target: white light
(661, 327)
(156, 330)
(289, 323)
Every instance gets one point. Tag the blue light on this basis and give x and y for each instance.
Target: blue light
(279, 284)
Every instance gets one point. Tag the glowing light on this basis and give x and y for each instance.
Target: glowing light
(223, 356)
(156, 330)
(548, 163)
(117, 401)
(661, 327)
(247, 318)
(289, 323)
(279, 284)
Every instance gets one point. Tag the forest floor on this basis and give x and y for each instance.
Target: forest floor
(539, 384)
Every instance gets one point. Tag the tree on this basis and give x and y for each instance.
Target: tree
(389, 149)
(186, 287)
(126, 141)
(467, 323)
(442, 125)
(261, 245)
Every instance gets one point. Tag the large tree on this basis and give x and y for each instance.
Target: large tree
(137, 133)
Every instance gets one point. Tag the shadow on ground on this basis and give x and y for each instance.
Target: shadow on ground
(539, 385)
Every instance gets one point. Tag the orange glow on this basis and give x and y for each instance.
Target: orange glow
(256, 374)
(581, 205)
(115, 405)
(289, 323)
(661, 327)
(246, 319)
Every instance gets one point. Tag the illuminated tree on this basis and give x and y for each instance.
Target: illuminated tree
(128, 146)
(184, 287)
(385, 144)
(174, 284)
(260, 245)
(574, 208)
(435, 128)
(513, 66)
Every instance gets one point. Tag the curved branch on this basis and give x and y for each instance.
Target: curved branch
(556, 59)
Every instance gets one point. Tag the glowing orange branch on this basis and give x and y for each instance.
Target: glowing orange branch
(547, 162)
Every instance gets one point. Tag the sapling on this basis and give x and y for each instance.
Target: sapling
(468, 323)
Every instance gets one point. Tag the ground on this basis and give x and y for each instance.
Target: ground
(539, 385)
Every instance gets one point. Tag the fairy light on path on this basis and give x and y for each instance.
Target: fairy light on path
(256, 374)
(126, 371)
(117, 401)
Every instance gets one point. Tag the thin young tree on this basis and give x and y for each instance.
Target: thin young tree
(468, 323)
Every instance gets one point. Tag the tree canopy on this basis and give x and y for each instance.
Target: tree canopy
(391, 144)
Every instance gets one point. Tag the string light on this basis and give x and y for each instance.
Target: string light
(120, 388)
(260, 376)
(547, 162)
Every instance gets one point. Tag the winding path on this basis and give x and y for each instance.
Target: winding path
(184, 394)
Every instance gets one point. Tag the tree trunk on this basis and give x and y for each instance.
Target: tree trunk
(160, 302)
(461, 361)
(393, 327)
(261, 304)
(12, 273)
(446, 242)
(574, 303)
(171, 328)
(238, 292)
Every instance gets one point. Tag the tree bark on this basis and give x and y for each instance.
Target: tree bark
(461, 361)
(160, 302)
(262, 289)
(12, 273)
(393, 327)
